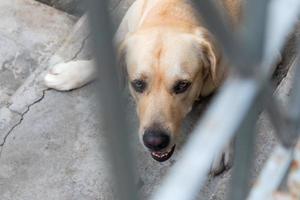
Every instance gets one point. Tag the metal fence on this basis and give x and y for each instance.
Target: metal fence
(252, 51)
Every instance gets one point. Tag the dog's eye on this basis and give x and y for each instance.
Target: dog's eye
(181, 86)
(139, 85)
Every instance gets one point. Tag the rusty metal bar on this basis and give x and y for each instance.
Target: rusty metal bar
(117, 130)
(274, 170)
(279, 164)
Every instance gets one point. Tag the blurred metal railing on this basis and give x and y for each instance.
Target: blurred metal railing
(252, 51)
(119, 152)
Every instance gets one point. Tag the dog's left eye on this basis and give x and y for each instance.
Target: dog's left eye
(181, 86)
(139, 85)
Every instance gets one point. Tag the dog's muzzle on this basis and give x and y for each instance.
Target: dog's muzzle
(162, 156)
(157, 141)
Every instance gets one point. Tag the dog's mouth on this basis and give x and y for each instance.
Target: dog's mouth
(162, 156)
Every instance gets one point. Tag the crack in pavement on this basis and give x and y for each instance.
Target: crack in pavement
(22, 115)
(81, 47)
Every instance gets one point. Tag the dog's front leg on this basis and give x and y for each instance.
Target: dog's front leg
(70, 75)
(223, 160)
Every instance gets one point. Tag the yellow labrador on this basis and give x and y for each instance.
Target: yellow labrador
(171, 61)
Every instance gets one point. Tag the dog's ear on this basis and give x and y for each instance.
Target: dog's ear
(211, 58)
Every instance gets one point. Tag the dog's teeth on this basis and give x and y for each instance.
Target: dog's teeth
(161, 155)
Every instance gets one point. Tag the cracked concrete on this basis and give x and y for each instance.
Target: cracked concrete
(33, 90)
(55, 142)
(27, 40)
(21, 118)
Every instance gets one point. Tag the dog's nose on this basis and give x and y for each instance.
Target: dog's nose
(156, 140)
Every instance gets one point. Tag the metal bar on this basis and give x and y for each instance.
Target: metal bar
(294, 105)
(245, 139)
(274, 170)
(253, 33)
(253, 38)
(248, 89)
(278, 165)
(282, 17)
(117, 130)
(209, 138)
(294, 120)
(215, 130)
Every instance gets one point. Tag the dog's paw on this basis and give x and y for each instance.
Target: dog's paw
(70, 75)
(222, 161)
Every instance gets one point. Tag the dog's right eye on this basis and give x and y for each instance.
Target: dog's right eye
(139, 85)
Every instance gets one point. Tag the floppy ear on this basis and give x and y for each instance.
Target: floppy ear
(212, 62)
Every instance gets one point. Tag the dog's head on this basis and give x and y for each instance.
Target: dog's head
(167, 72)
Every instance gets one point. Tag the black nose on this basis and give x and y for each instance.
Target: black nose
(156, 139)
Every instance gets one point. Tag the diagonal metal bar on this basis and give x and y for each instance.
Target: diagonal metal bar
(280, 161)
(215, 137)
(117, 130)
(282, 17)
(253, 39)
(274, 170)
(245, 139)
(209, 138)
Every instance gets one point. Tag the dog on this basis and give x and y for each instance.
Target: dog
(171, 61)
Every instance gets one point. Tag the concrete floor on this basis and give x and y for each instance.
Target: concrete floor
(52, 143)
(27, 38)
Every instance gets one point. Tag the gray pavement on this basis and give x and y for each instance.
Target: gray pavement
(52, 143)
(27, 39)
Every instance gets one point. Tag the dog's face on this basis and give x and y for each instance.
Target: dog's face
(167, 71)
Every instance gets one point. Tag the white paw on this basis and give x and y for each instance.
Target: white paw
(222, 161)
(70, 75)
